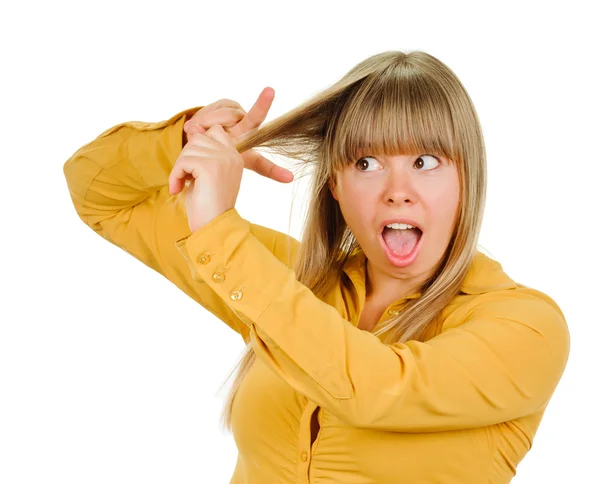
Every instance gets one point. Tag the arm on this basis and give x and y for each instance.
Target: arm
(502, 363)
(119, 187)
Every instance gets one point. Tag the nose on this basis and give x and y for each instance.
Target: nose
(399, 189)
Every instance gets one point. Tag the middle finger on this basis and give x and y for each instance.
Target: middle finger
(256, 115)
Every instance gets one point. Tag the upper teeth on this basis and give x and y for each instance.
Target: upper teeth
(399, 226)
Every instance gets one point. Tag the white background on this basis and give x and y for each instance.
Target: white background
(108, 373)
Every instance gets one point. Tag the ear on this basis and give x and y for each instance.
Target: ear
(332, 188)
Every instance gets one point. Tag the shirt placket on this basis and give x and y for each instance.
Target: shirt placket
(304, 456)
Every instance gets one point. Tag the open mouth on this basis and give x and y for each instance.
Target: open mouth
(401, 244)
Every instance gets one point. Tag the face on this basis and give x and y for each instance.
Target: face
(423, 188)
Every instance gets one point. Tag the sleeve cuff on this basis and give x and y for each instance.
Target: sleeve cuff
(223, 253)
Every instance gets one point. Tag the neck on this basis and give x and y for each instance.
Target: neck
(382, 290)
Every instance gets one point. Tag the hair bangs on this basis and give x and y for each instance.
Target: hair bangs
(389, 116)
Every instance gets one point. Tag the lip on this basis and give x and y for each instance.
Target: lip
(396, 260)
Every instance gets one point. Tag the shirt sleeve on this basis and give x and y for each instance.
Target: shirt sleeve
(118, 184)
(502, 363)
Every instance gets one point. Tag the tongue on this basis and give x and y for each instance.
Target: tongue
(401, 242)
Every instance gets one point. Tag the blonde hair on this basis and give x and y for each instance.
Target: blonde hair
(390, 103)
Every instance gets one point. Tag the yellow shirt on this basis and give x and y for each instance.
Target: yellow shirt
(462, 407)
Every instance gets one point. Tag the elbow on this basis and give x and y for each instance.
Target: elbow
(77, 184)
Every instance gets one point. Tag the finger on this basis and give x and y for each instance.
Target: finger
(210, 142)
(257, 114)
(218, 133)
(186, 167)
(177, 184)
(254, 161)
(226, 117)
(177, 178)
(221, 103)
(194, 129)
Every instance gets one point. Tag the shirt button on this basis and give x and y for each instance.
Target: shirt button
(393, 312)
(204, 259)
(219, 276)
(235, 295)
(304, 456)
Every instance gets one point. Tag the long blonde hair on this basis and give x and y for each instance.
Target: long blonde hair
(390, 103)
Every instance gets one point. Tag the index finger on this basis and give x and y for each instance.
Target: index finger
(256, 115)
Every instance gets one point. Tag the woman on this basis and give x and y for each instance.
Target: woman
(377, 352)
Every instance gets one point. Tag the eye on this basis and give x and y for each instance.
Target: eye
(423, 157)
(363, 161)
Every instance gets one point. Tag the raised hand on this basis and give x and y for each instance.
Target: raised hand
(215, 168)
(236, 122)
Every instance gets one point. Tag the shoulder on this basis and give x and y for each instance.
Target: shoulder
(489, 294)
(520, 303)
(526, 319)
